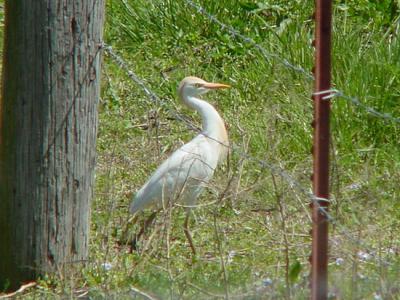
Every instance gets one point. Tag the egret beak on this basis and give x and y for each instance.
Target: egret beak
(214, 86)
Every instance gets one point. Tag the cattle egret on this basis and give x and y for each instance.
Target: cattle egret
(183, 176)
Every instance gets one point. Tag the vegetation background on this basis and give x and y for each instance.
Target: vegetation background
(252, 229)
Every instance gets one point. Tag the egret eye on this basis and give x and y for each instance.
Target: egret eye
(197, 85)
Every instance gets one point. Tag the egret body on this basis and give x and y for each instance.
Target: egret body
(183, 176)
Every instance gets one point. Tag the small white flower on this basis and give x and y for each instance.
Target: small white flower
(361, 276)
(331, 295)
(354, 186)
(231, 255)
(377, 296)
(106, 266)
(339, 261)
(391, 251)
(364, 256)
(267, 281)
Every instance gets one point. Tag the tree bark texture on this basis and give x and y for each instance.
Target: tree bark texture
(48, 126)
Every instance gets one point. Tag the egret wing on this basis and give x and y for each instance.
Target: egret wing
(181, 177)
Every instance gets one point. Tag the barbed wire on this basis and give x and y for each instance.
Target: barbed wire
(267, 55)
(277, 170)
(250, 41)
(153, 96)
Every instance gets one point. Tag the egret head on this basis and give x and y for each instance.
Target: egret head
(194, 86)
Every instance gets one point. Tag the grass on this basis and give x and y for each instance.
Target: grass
(253, 242)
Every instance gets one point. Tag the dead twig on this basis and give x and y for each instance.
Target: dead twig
(19, 291)
(141, 293)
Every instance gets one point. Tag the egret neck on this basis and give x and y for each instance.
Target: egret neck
(213, 125)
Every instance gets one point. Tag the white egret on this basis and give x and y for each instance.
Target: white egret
(183, 176)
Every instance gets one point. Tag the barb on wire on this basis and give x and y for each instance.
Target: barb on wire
(250, 41)
(372, 111)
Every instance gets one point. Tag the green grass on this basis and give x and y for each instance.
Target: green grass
(260, 228)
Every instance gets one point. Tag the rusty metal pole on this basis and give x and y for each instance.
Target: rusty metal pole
(319, 256)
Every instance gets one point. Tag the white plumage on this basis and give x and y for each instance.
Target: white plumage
(184, 174)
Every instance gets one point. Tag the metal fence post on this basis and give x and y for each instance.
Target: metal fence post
(319, 256)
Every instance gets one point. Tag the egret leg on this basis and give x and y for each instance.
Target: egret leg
(187, 232)
(146, 224)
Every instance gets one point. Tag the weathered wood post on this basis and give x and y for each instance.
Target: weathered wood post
(48, 125)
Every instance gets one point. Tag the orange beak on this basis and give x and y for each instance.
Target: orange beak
(214, 86)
